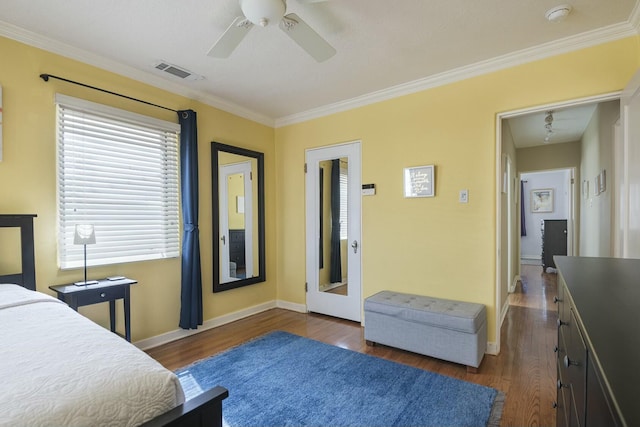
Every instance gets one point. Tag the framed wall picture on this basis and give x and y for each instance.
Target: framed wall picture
(419, 181)
(542, 200)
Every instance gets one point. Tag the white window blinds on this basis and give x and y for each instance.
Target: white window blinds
(344, 199)
(118, 171)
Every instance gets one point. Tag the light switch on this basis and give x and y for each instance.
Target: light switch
(464, 196)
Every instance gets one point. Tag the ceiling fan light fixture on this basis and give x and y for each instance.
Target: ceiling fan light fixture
(558, 13)
(263, 12)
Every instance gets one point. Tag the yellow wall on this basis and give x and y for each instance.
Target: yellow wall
(434, 246)
(28, 177)
(236, 189)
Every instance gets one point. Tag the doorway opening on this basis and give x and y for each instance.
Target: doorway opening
(550, 122)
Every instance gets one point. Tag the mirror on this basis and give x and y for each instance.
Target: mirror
(333, 203)
(238, 216)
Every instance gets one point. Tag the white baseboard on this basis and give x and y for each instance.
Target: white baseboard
(512, 287)
(531, 259)
(300, 308)
(492, 348)
(503, 312)
(207, 324)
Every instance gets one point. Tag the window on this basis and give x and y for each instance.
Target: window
(118, 171)
(344, 200)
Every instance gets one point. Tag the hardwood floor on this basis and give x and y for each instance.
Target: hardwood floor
(525, 369)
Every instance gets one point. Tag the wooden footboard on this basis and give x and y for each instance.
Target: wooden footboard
(204, 410)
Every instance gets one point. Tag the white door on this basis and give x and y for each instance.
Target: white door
(333, 208)
(236, 213)
(627, 174)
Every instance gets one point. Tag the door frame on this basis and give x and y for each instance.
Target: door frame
(626, 178)
(500, 310)
(324, 302)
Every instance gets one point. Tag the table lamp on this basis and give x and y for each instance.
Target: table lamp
(85, 235)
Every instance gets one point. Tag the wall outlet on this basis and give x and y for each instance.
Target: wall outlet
(464, 196)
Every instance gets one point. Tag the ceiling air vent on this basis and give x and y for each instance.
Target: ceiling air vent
(176, 71)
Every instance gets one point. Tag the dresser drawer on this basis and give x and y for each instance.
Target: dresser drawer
(575, 361)
(94, 296)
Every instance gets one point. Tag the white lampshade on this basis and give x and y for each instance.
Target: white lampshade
(85, 235)
(263, 12)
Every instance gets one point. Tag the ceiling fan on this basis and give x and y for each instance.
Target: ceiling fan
(272, 12)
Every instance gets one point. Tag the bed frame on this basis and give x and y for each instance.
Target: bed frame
(204, 410)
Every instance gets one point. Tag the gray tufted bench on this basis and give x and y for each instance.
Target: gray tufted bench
(449, 330)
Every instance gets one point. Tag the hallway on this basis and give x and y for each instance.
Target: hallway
(528, 338)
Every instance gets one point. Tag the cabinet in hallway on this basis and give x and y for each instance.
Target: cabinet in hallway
(554, 241)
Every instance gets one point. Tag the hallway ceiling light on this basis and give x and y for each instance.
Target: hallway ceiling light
(558, 13)
(548, 126)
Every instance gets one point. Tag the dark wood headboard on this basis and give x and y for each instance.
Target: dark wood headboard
(27, 277)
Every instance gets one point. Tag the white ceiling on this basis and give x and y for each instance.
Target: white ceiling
(568, 125)
(384, 48)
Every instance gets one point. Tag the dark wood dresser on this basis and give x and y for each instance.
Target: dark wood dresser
(554, 240)
(236, 247)
(598, 345)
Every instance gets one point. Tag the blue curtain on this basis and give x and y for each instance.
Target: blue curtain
(523, 225)
(335, 268)
(191, 279)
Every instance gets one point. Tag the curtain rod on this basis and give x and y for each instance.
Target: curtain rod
(46, 78)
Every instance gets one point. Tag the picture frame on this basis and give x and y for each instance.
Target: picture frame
(419, 181)
(542, 200)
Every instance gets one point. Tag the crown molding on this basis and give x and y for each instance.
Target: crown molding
(634, 18)
(546, 50)
(568, 44)
(36, 40)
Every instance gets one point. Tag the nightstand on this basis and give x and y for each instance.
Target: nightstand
(105, 290)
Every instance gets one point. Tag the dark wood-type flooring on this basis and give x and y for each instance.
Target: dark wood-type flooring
(525, 369)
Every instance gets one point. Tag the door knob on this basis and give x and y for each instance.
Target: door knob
(223, 240)
(354, 245)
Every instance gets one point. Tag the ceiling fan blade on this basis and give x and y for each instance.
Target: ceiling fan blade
(306, 37)
(231, 38)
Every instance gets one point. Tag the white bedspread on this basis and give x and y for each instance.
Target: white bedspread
(58, 368)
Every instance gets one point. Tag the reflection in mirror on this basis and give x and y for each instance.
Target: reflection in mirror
(333, 227)
(238, 217)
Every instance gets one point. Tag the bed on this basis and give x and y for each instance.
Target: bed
(60, 368)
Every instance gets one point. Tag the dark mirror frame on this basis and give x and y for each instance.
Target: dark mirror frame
(217, 147)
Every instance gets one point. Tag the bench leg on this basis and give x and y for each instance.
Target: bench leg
(369, 343)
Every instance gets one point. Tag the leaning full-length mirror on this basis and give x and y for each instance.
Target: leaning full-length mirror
(238, 217)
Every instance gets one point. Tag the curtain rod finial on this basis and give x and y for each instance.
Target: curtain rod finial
(44, 77)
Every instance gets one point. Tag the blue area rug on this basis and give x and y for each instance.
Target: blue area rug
(282, 379)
